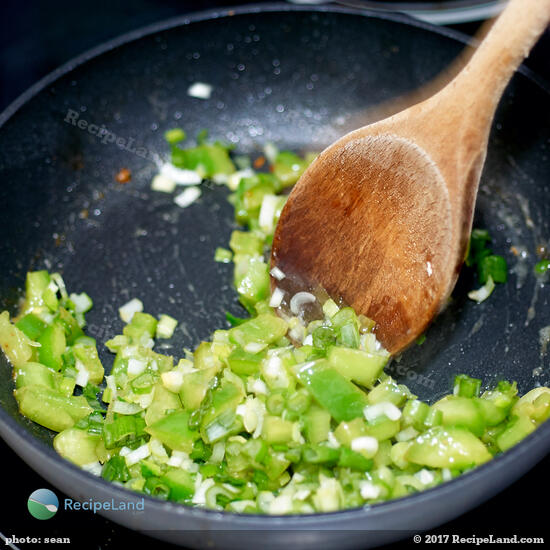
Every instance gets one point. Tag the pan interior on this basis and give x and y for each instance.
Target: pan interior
(296, 79)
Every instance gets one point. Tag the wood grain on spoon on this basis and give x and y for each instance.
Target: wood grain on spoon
(382, 218)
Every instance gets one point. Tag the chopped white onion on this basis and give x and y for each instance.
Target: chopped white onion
(275, 373)
(189, 196)
(135, 366)
(166, 326)
(200, 90)
(484, 292)
(82, 302)
(254, 347)
(163, 184)
(330, 308)
(218, 452)
(308, 340)
(53, 287)
(123, 407)
(94, 468)
(177, 458)
(270, 152)
(139, 454)
(386, 408)
(60, 284)
(424, 476)
(407, 434)
(333, 443)
(297, 333)
(299, 300)
(302, 494)
(369, 490)
(365, 443)
(258, 387)
(180, 176)
(200, 494)
(157, 448)
(281, 505)
(172, 380)
(144, 399)
(235, 178)
(266, 217)
(277, 273)
(276, 297)
(446, 474)
(111, 384)
(127, 311)
(297, 436)
(83, 375)
(220, 179)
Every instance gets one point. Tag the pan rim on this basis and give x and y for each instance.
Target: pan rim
(270, 7)
(255, 521)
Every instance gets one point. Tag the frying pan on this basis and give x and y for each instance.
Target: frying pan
(291, 75)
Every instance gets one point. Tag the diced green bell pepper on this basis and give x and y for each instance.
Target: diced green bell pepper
(163, 400)
(51, 409)
(251, 278)
(76, 445)
(389, 391)
(90, 359)
(354, 460)
(173, 430)
(342, 399)
(346, 432)
(447, 447)
(517, 429)
(264, 329)
(242, 362)
(207, 159)
(115, 469)
(69, 325)
(36, 374)
(35, 285)
(277, 430)
(465, 386)
(13, 342)
(357, 365)
(205, 357)
(142, 324)
(461, 412)
(383, 428)
(195, 385)
(31, 325)
(124, 430)
(288, 167)
(52, 346)
(414, 414)
(180, 483)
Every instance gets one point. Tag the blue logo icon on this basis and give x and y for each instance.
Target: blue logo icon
(43, 504)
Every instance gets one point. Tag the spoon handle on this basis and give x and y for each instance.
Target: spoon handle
(506, 45)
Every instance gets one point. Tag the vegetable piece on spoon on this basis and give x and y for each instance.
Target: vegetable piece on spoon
(381, 219)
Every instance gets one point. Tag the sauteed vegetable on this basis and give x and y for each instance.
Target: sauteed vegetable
(273, 415)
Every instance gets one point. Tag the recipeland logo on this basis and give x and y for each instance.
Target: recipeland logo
(43, 504)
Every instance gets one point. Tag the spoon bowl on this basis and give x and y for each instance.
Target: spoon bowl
(381, 219)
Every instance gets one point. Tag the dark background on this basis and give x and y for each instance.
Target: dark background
(35, 38)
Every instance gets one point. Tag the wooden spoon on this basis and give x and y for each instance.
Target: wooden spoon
(382, 218)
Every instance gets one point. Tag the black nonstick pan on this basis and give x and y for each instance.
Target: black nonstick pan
(294, 76)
